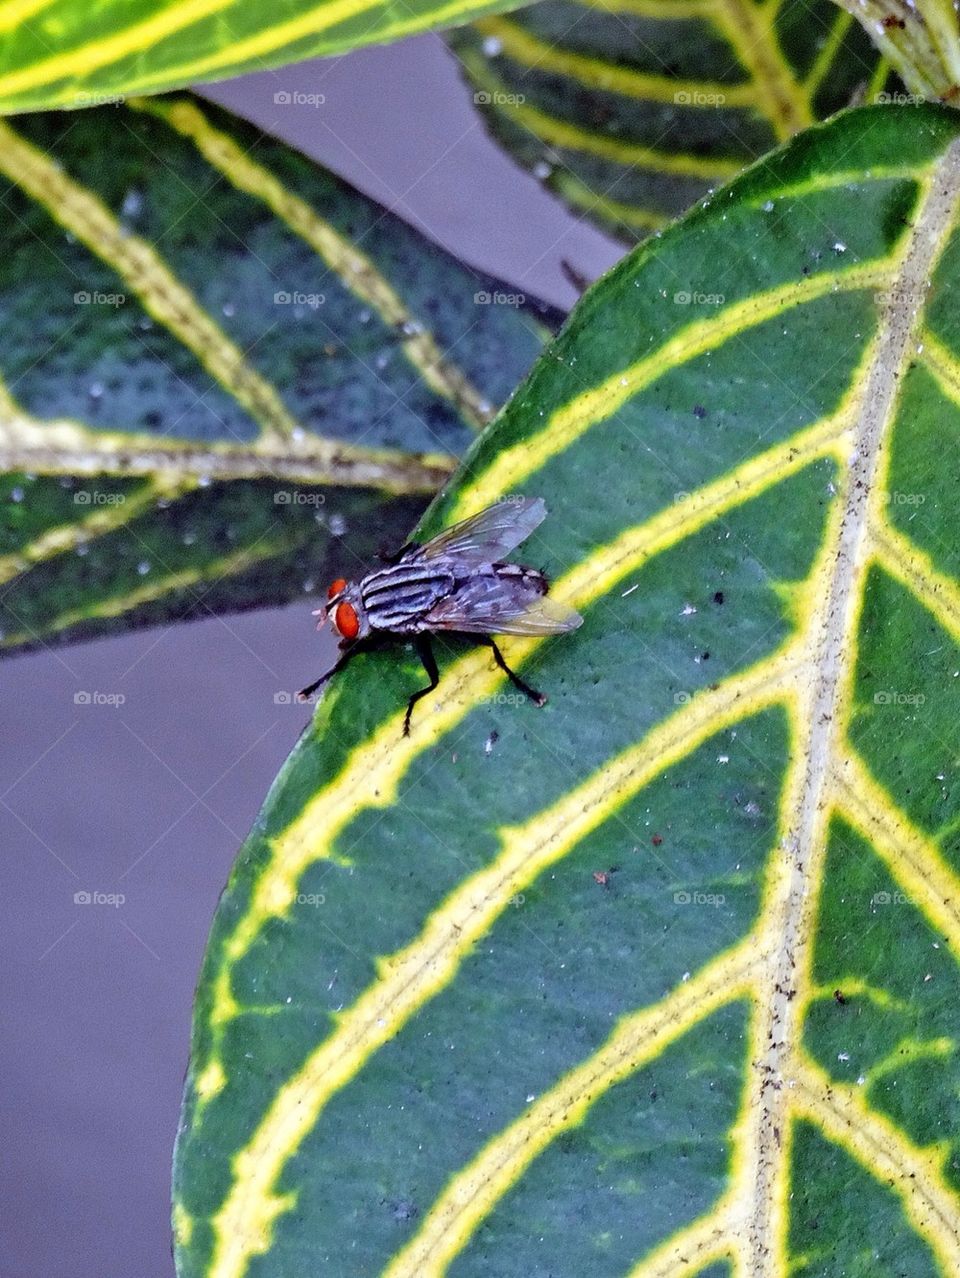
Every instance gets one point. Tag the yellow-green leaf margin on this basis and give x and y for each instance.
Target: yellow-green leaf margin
(659, 979)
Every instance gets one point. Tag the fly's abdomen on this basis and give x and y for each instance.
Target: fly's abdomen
(529, 579)
(398, 598)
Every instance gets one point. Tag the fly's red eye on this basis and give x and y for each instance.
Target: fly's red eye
(346, 620)
(336, 587)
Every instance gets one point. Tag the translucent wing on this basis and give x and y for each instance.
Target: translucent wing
(488, 537)
(500, 605)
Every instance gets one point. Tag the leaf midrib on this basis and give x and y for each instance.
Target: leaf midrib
(822, 715)
(65, 447)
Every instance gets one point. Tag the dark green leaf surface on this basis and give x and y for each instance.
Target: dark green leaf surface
(218, 360)
(660, 979)
(630, 111)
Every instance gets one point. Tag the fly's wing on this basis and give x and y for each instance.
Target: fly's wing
(488, 537)
(489, 604)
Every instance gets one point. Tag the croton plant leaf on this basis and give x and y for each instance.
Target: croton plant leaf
(71, 53)
(630, 110)
(659, 979)
(218, 361)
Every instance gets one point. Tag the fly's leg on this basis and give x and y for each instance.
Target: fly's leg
(538, 698)
(334, 669)
(427, 659)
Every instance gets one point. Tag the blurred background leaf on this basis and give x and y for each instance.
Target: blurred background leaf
(631, 109)
(218, 360)
(920, 38)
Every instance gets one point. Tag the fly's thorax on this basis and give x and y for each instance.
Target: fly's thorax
(397, 598)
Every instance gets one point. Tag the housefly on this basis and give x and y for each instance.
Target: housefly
(459, 583)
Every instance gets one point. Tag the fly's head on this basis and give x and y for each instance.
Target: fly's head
(344, 608)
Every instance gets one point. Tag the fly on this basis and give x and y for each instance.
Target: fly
(459, 583)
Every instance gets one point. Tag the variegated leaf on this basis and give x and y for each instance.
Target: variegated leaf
(660, 979)
(67, 53)
(631, 109)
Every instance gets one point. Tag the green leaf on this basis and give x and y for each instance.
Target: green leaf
(631, 110)
(68, 53)
(218, 361)
(661, 978)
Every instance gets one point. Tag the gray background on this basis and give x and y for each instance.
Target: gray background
(152, 798)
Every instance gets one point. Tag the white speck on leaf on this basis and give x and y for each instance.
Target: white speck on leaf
(132, 203)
